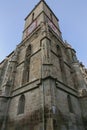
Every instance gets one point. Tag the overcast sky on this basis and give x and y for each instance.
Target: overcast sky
(72, 15)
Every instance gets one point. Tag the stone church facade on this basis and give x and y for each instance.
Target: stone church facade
(42, 84)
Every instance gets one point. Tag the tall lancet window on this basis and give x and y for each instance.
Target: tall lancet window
(59, 53)
(21, 105)
(51, 17)
(61, 64)
(27, 65)
(32, 17)
(69, 104)
(28, 51)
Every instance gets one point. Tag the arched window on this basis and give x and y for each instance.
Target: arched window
(59, 53)
(21, 105)
(69, 104)
(61, 64)
(27, 64)
(26, 71)
(28, 51)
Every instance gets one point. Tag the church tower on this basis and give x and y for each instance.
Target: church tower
(40, 81)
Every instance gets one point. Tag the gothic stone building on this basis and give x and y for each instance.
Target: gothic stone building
(42, 84)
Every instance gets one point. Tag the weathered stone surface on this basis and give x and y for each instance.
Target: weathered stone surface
(45, 71)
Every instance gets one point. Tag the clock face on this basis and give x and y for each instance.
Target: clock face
(30, 29)
(54, 28)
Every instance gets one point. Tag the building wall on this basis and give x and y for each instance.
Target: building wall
(41, 83)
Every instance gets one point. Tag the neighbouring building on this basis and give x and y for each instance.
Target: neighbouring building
(43, 86)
